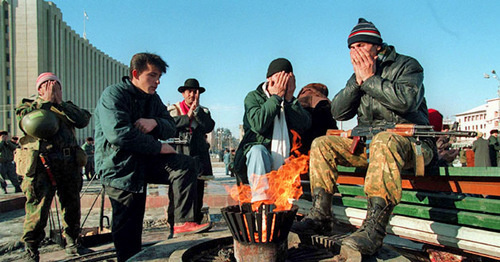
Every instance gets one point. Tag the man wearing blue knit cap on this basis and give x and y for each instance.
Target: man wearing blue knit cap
(386, 87)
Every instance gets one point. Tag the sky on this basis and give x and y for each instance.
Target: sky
(228, 44)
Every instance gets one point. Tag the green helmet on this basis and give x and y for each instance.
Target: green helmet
(40, 123)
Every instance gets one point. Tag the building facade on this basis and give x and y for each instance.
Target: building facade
(483, 119)
(36, 40)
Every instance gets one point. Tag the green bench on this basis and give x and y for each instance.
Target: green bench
(456, 207)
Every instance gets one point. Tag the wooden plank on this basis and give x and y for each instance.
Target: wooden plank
(493, 172)
(475, 185)
(486, 221)
(443, 200)
(469, 239)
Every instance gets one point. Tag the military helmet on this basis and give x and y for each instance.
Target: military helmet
(40, 123)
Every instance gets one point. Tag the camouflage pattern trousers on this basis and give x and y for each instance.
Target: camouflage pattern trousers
(39, 193)
(389, 154)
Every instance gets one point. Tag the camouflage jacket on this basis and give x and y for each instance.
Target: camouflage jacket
(71, 117)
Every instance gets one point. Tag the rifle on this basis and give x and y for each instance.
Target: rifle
(364, 133)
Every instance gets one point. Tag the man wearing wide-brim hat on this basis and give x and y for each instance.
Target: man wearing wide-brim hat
(193, 122)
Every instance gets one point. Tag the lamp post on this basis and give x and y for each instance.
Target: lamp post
(494, 75)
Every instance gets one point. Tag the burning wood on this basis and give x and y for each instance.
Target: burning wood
(283, 184)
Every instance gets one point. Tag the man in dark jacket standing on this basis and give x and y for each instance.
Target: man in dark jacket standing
(271, 111)
(7, 166)
(130, 120)
(193, 123)
(386, 87)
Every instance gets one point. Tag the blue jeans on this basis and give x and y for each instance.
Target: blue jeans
(258, 165)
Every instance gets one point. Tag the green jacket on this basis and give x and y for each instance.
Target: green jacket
(258, 122)
(122, 152)
(395, 94)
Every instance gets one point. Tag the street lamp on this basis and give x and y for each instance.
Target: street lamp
(494, 75)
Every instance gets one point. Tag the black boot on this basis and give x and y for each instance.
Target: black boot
(319, 220)
(368, 239)
(32, 254)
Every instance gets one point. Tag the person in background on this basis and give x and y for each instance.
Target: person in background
(314, 99)
(271, 112)
(494, 146)
(50, 160)
(89, 148)
(7, 166)
(481, 151)
(193, 123)
(130, 122)
(227, 158)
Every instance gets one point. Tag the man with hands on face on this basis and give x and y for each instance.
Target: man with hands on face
(193, 122)
(130, 122)
(271, 111)
(60, 148)
(386, 87)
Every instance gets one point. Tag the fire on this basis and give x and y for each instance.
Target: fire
(284, 183)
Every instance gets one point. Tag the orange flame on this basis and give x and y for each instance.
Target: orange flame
(284, 183)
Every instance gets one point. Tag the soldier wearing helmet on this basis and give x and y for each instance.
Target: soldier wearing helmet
(50, 159)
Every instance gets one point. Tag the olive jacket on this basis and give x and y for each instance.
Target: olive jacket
(258, 122)
(122, 152)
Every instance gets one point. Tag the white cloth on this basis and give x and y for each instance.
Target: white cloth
(280, 144)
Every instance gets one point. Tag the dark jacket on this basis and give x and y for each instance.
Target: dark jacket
(481, 152)
(7, 151)
(494, 144)
(258, 123)
(204, 124)
(122, 152)
(395, 94)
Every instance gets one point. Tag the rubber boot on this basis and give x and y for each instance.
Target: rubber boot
(368, 239)
(319, 220)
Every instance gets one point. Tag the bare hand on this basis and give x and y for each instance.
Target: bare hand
(145, 125)
(51, 91)
(167, 149)
(364, 65)
(290, 87)
(277, 84)
(195, 104)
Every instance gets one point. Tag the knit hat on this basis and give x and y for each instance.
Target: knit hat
(191, 83)
(44, 77)
(364, 31)
(278, 65)
(435, 119)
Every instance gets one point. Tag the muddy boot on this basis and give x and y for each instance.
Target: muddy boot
(368, 239)
(74, 248)
(319, 220)
(32, 254)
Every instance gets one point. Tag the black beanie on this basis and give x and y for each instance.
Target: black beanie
(364, 31)
(278, 65)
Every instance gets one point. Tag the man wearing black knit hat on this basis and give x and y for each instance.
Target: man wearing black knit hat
(271, 111)
(386, 88)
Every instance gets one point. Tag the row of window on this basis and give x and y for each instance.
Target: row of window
(475, 117)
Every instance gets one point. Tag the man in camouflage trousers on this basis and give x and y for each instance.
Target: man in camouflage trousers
(386, 87)
(59, 147)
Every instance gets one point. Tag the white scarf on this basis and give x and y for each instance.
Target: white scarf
(280, 144)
